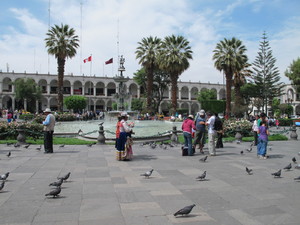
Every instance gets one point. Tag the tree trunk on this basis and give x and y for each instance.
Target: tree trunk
(60, 84)
(228, 95)
(174, 79)
(149, 89)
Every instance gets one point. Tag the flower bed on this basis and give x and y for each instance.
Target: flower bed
(58, 117)
(231, 126)
(10, 130)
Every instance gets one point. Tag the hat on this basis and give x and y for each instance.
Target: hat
(202, 112)
(191, 116)
(47, 110)
(124, 114)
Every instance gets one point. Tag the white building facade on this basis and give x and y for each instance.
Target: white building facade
(99, 91)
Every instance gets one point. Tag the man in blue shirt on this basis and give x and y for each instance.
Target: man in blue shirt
(49, 124)
(200, 130)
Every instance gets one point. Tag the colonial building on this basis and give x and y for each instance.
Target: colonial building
(98, 90)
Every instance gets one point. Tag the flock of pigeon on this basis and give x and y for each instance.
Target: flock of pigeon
(57, 185)
(162, 145)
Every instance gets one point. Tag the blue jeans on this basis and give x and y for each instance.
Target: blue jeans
(188, 142)
(262, 147)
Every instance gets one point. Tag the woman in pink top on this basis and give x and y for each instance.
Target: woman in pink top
(187, 127)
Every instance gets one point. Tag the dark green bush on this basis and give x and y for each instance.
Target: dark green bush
(26, 116)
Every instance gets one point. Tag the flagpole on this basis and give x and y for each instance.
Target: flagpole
(90, 92)
(103, 70)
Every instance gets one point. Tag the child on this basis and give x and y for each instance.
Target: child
(263, 132)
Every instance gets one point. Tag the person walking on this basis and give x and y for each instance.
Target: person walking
(211, 133)
(218, 127)
(263, 132)
(187, 127)
(49, 125)
(255, 129)
(200, 131)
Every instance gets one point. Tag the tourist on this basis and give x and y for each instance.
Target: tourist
(263, 132)
(9, 116)
(255, 129)
(118, 130)
(187, 127)
(218, 127)
(49, 124)
(124, 145)
(277, 123)
(200, 131)
(211, 133)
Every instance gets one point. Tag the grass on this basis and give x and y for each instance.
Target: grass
(56, 141)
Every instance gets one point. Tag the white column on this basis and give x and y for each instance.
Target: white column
(179, 94)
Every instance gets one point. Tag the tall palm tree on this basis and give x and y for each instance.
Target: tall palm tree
(174, 59)
(230, 58)
(147, 52)
(61, 42)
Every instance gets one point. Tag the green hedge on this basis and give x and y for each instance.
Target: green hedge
(10, 130)
(26, 116)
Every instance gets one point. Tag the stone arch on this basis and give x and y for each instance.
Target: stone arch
(43, 104)
(88, 88)
(53, 103)
(297, 109)
(166, 93)
(100, 105)
(77, 86)
(67, 87)
(194, 93)
(133, 90)
(195, 107)
(100, 89)
(42, 83)
(203, 89)
(111, 89)
(290, 94)
(7, 102)
(53, 87)
(109, 105)
(7, 85)
(185, 105)
(184, 93)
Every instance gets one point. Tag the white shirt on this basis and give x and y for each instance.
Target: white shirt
(211, 122)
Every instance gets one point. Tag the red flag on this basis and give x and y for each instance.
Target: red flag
(109, 61)
(88, 59)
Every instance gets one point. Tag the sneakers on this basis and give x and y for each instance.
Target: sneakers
(262, 157)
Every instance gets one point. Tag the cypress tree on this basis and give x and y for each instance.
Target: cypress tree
(266, 75)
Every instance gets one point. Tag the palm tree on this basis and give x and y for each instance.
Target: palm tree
(147, 52)
(174, 59)
(61, 42)
(230, 58)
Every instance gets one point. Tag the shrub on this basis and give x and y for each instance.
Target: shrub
(10, 130)
(285, 122)
(26, 116)
(231, 126)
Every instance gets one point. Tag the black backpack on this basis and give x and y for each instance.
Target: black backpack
(218, 125)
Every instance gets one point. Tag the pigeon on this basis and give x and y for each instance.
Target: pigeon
(277, 174)
(8, 144)
(203, 159)
(8, 154)
(185, 211)
(4, 176)
(54, 192)
(288, 167)
(153, 145)
(294, 160)
(17, 145)
(26, 146)
(65, 177)
(202, 176)
(100, 124)
(238, 142)
(147, 174)
(249, 149)
(297, 178)
(252, 144)
(57, 183)
(242, 152)
(61, 146)
(39, 148)
(2, 185)
(249, 171)
(90, 145)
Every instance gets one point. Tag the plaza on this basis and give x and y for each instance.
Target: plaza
(102, 190)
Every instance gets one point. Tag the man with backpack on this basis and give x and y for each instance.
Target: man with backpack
(218, 126)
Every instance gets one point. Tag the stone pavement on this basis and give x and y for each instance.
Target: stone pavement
(104, 191)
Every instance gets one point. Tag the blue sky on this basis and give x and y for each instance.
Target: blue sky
(23, 25)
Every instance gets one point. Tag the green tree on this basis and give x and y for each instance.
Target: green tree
(174, 59)
(293, 73)
(266, 75)
(75, 102)
(61, 42)
(206, 95)
(137, 104)
(230, 58)
(140, 78)
(147, 53)
(27, 89)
